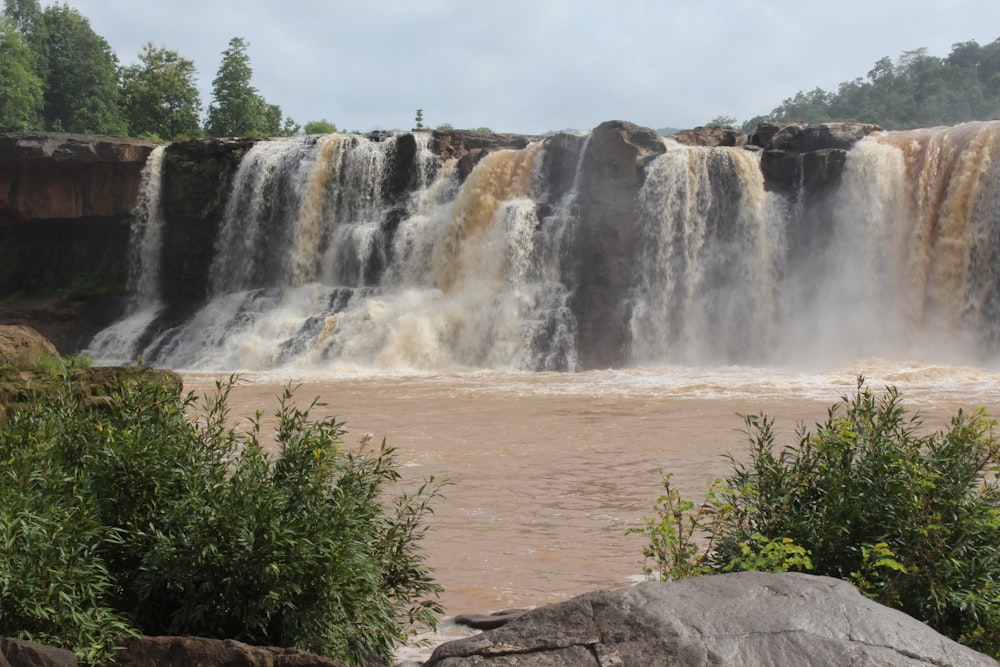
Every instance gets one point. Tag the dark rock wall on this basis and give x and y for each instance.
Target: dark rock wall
(611, 177)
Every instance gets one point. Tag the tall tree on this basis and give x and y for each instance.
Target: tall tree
(81, 87)
(237, 109)
(159, 95)
(20, 87)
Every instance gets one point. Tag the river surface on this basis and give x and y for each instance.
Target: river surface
(547, 471)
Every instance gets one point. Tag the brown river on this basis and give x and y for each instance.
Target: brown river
(547, 472)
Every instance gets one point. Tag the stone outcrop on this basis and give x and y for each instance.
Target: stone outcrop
(202, 652)
(22, 346)
(811, 157)
(612, 173)
(22, 653)
(711, 136)
(747, 618)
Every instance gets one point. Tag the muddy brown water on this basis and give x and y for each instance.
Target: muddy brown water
(547, 472)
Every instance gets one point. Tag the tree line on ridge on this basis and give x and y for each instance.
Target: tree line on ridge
(57, 74)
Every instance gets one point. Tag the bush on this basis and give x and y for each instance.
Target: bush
(134, 518)
(320, 127)
(910, 517)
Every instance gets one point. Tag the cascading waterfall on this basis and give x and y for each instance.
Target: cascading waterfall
(710, 251)
(143, 266)
(910, 269)
(334, 253)
(317, 264)
(147, 228)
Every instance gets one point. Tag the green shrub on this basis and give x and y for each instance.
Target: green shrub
(911, 517)
(162, 524)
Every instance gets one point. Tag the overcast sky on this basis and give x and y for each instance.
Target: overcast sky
(535, 65)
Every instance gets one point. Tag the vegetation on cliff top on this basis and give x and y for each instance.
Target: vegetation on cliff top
(148, 513)
(911, 518)
(57, 74)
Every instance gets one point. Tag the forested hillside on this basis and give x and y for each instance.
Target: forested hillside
(917, 90)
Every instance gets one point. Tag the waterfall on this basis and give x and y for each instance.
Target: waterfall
(349, 251)
(710, 251)
(319, 263)
(120, 341)
(909, 271)
(146, 234)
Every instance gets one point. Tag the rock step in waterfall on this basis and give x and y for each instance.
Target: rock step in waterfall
(581, 250)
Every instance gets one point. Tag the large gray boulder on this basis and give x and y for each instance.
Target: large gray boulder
(746, 618)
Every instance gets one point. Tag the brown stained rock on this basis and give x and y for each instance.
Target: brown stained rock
(454, 144)
(57, 176)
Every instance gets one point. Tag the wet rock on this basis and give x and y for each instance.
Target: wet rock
(612, 174)
(805, 137)
(454, 144)
(747, 618)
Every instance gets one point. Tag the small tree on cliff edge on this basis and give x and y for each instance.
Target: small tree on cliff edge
(237, 109)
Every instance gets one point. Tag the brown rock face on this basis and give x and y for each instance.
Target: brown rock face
(613, 172)
(66, 176)
(65, 202)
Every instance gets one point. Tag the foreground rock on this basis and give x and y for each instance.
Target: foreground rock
(201, 652)
(747, 618)
(22, 346)
(22, 653)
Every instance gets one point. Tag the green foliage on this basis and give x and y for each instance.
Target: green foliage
(20, 87)
(237, 110)
(917, 90)
(320, 127)
(672, 536)
(721, 121)
(483, 130)
(444, 127)
(910, 517)
(81, 83)
(160, 95)
(58, 365)
(419, 120)
(142, 519)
